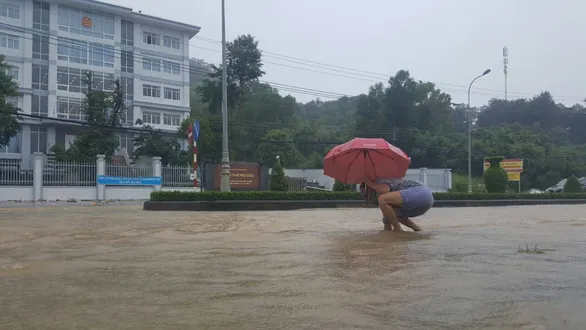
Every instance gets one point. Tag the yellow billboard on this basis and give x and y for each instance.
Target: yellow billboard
(509, 165)
(514, 176)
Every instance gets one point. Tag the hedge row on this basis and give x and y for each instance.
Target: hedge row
(335, 195)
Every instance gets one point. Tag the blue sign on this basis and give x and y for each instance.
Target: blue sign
(196, 130)
(129, 181)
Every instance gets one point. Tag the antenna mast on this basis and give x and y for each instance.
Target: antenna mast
(505, 65)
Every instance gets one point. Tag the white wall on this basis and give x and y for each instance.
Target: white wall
(439, 180)
(9, 193)
(25, 194)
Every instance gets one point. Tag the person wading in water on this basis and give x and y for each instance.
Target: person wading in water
(399, 200)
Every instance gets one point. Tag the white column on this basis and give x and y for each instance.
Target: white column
(101, 170)
(448, 178)
(38, 176)
(157, 171)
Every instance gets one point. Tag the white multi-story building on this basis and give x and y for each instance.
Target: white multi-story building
(51, 44)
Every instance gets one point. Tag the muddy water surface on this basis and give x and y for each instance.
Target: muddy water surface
(118, 267)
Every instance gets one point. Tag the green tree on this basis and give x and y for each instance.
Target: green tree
(415, 115)
(341, 186)
(9, 125)
(572, 185)
(153, 142)
(278, 181)
(495, 177)
(209, 145)
(243, 67)
(278, 143)
(102, 111)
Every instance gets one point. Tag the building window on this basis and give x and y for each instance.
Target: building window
(127, 85)
(127, 33)
(171, 67)
(150, 38)
(127, 116)
(127, 88)
(172, 94)
(103, 81)
(9, 11)
(40, 78)
(9, 41)
(82, 52)
(70, 108)
(13, 146)
(71, 80)
(171, 120)
(40, 105)
(150, 117)
(12, 71)
(171, 42)
(127, 61)
(41, 15)
(13, 101)
(38, 139)
(151, 64)
(75, 80)
(127, 142)
(40, 47)
(151, 91)
(101, 55)
(86, 23)
(72, 51)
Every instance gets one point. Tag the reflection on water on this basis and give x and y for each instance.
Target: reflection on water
(118, 267)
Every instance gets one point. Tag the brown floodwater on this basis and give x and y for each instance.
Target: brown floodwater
(118, 267)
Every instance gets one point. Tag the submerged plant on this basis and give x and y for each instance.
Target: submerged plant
(534, 250)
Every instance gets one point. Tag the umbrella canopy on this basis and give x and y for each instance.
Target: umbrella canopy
(364, 158)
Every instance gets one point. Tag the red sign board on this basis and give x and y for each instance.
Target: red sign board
(242, 176)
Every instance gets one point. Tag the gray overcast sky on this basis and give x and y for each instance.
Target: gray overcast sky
(448, 42)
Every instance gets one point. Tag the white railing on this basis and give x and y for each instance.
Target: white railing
(50, 180)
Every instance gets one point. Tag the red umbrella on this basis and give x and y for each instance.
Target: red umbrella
(363, 158)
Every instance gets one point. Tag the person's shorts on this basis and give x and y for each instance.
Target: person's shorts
(416, 201)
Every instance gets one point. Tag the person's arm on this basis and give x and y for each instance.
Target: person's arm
(380, 188)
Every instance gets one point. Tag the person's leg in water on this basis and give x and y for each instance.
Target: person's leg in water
(403, 219)
(387, 202)
(416, 202)
(405, 222)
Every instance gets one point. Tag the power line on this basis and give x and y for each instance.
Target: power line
(372, 74)
(302, 90)
(117, 54)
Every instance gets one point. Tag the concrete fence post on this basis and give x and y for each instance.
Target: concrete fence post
(448, 178)
(423, 175)
(157, 171)
(38, 176)
(100, 170)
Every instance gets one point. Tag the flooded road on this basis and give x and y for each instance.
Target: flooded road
(118, 267)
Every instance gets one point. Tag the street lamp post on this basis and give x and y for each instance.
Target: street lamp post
(470, 132)
(225, 172)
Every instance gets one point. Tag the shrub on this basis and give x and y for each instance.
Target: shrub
(253, 195)
(335, 195)
(572, 185)
(278, 181)
(495, 177)
(341, 186)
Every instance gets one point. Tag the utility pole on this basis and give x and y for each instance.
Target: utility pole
(225, 173)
